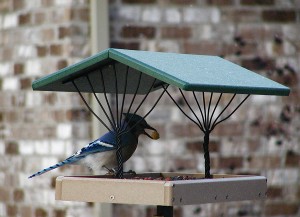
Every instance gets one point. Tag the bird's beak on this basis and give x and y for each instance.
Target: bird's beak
(154, 135)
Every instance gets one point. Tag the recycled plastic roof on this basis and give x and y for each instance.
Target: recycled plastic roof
(186, 71)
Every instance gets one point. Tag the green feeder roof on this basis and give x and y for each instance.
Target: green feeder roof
(186, 71)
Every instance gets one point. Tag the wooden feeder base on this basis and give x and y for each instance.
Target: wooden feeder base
(106, 189)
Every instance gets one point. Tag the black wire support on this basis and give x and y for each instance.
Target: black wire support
(87, 105)
(99, 103)
(207, 124)
(106, 99)
(191, 119)
(115, 120)
(117, 94)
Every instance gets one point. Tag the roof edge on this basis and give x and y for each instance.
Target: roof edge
(67, 71)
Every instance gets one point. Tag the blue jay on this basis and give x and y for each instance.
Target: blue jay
(101, 153)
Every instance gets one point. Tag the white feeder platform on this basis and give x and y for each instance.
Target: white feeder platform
(106, 189)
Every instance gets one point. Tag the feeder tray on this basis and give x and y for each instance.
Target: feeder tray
(106, 189)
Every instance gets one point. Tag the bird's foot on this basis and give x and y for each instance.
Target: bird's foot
(130, 172)
(110, 171)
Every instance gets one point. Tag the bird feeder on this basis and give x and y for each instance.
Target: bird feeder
(127, 72)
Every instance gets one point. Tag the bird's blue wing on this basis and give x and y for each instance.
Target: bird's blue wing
(102, 144)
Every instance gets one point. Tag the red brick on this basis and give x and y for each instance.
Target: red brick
(280, 16)
(257, 2)
(231, 162)
(60, 213)
(125, 45)
(18, 195)
(274, 192)
(292, 159)
(139, 1)
(78, 115)
(26, 211)
(41, 51)
(39, 18)
(258, 63)
(242, 15)
(47, 3)
(18, 68)
(17, 4)
(203, 48)
(283, 208)
(25, 83)
(220, 2)
(12, 148)
(258, 32)
(61, 64)
(183, 2)
(56, 49)
(176, 32)
(11, 210)
(4, 6)
(64, 32)
(40, 212)
(24, 19)
(7, 54)
(48, 34)
(197, 146)
(228, 129)
(4, 194)
(138, 31)
(84, 14)
(182, 164)
(260, 162)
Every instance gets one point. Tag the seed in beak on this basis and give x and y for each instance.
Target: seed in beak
(155, 135)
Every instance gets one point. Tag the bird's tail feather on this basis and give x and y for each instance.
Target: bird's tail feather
(69, 160)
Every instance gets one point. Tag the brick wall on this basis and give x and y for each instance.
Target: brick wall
(37, 129)
(262, 137)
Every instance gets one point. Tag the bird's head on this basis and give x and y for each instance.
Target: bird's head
(140, 126)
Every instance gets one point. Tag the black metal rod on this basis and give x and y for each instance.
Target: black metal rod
(224, 109)
(87, 105)
(204, 107)
(162, 93)
(100, 104)
(182, 110)
(106, 99)
(126, 128)
(231, 112)
(145, 97)
(117, 94)
(119, 156)
(124, 95)
(190, 107)
(199, 110)
(154, 105)
(133, 98)
(206, 155)
(208, 110)
(212, 115)
(165, 211)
